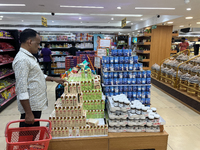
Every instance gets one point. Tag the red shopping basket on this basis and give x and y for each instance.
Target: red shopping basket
(28, 138)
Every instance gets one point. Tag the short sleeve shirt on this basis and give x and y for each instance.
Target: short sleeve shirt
(46, 52)
(184, 46)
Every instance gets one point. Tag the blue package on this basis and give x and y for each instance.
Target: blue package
(139, 88)
(125, 67)
(125, 81)
(143, 100)
(130, 74)
(143, 94)
(148, 88)
(106, 81)
(130, 88)
(130, 52)
(107, 67)
(121, 88)
(143, 88)
(139, 95)
(148, 80)
(116, 89)
(139, 75)
(140, 66)
(129, 81)
(107, 94)
(116, 60)
(131, 60)
(121, 60)
(148, 95)
(120, 81)
(111, 67)
(115, 81)
(115, 75)
(104, 60)
(130, 67)
(147, 101)
(143, 80)
(113, 52)
(148, 74)
(111, 60)
(116, 67)
(133, 80)
(135, 66)
(125, 88)
(126, 60)
(111, 88)
(111, 81)
(105, 75)
(135, 59)
(144, 75)
(134, 75)
(134, 94)
(107, 89)
(125, 74)
(121, 67)
(107, 60)
(135, 88)
(129, 94)
(120, 52)
(110, 74)
(126, 93)
(120, 74)
(125, 52)
(139, 81)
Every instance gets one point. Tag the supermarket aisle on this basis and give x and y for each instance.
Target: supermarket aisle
(183, 124)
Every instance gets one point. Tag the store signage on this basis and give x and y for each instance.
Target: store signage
(97, 62)
(154, 27)
(44, 21)
(123, 23)
(101, 52)
(105, 43)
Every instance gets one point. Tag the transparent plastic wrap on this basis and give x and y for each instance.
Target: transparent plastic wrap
(185, 77)
(164, 70)
(179, 74)
(195, 70)
(194, 79)
(187, 67)
(155, 67)
(170, 72)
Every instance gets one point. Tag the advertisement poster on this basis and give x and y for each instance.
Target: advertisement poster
(97, 38)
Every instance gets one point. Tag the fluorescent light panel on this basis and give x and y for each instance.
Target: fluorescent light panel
(155, 8)
(182, 26)
(188, 17)
(188, 9)
(119, 8)
(170, 22)
(198, 22)
(12, 5)
(25, 13)
(98, 7)
(118, 15)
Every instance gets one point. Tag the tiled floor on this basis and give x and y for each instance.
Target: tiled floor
(183, 124)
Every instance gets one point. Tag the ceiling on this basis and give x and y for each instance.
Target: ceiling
(89, 16)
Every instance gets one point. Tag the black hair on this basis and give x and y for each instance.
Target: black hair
(46, 45)
(73, 44)
(99, 37)
(27, 34)
(183, 38)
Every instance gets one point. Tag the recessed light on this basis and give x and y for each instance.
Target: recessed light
(141, 19)
(182, 26)
(138, 31)
(131, 23)
(188, 9)
(170, 22)
(98, 7)
(25, 13)
(112, 18)
(22, 20)
(79, 18)
(52, 21)
(155, 8)
(188, 17)
(12, 5)
(119, 8)
(198, 22)
(1, 16)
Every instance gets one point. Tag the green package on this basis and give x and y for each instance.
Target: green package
(96, 95)
(88, 114)
(92, 114)
(89, 105)
(100, 95)
(93, 95)
(89, 95)
(95, 104)
(84, 96)
(89, 73)
(96, 113)
(102, 104)
(99, 105)
(82, 73)
(90, 85)
(92, 104)
(102, 113)
(85, 105)
(86, 85)
(82, 86)
(99, 114)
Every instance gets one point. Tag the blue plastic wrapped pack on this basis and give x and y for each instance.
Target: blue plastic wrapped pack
(147, 101)
(121, 88)
(107, 94)
(116, 60)
(135, 88)
(144, 95)
(131, 60)
(120, 52)
(116, 89)
(121, 60)
(143, 80)
(148, 95)
(139, 95)
(115, 75)
(148, 74)
(115, 81)
(130, 74)
(121, 67)
(129, 81)
(143, 88)
(105, 75)
(107, 89)
(104, 60)
(111, 67)
(111, 94)
(143, 100)
(120, 74)
(125, 89)
(125, 74)
(139, 75)
(148, 88)
(130, 67)
(129, 95)
(116, 67)
(125, 52)
(126, 60)
(139, 88)
(144, 75)
(135, 66)
(135, 59)
(148, 80)
(111, 81)
(110, 74)
(134, 75)
(140, 66)
(125, 93)
(125, 67)
(111, 60)
(139, 80)
(130, 52)
(107, 59)
(133, 80)
(130, 88)
(107, 68)
(120, 81)
(106, 82)
(111, 88)
(113, 52)
(125, 81)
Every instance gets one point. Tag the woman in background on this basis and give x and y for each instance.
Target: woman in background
(47, 58)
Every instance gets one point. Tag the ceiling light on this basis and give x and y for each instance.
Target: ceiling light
(188, 9)
(141, 19)
(118, 15)
(170, 22)
(131, 23)
(138, 31)
(79, 18)
(12, 5)
(1, 16)
(182, 26)
(52, 21)
(119, 8)
(22, 20)
(198, 22)
(188, 17)
(81, 6)
(25, 13)
(154, 8)
(112, 18)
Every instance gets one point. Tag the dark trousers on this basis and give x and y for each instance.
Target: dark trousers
(196, 49)
(47, 65)
(37, 115)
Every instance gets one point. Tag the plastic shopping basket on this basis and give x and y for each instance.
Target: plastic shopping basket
(28, 138)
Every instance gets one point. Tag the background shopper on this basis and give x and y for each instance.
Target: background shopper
(184, 45)
(30, 80)
(72, 50)
(47, 58)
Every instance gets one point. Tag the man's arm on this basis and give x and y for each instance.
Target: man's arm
(29, 118)
(51, 58)
(57, 80)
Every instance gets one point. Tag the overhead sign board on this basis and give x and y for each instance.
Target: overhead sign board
(44, 21)
(123, 23)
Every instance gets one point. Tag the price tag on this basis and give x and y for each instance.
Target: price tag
(97, 62)
(101, 52)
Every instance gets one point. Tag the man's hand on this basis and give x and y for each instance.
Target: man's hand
(29, 118)
(59, 80)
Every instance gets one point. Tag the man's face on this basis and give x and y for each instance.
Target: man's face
(35, 44)
(182, 40)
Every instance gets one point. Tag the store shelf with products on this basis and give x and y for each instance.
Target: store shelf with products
(1, 90)
(67, 41)
(10, 50)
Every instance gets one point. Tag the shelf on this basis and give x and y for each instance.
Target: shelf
(8, 100)
(173, 52)
(145, 43)
(146, 68)
(59, 54)
(67, 41)
(5, 63)
(7, 87)
(127, 85)
(7, 50)
(175, 34)
(125, 71)
(144, 60)
(145, 35)
(54, 68)
(6, 38)
(6, 75)
(143, 52)
(59, 61)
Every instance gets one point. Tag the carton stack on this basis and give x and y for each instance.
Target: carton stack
(70, 62)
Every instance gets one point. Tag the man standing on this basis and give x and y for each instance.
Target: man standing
(73, 50)
(184, 45)
(30, 80)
